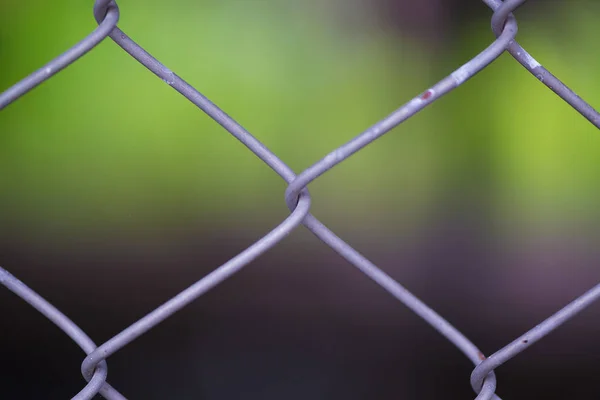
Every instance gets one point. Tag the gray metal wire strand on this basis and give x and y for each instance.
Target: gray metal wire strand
(185, 297)
(199, 100)
(399, 292)
(59, 63)
(539, 331)
(312, 223)
(97, 383)
(536, 69)
(409, 109)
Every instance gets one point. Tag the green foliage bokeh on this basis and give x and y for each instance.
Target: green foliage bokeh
(105, 143)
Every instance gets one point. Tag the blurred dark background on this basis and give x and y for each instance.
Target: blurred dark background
(117, 193)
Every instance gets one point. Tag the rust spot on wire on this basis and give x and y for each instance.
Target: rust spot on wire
(426, 95)
(481, 356)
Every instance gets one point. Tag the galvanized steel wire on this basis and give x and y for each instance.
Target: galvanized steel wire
(94, 366)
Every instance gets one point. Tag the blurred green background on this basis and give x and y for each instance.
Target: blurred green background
(106, 172)
(106, 145)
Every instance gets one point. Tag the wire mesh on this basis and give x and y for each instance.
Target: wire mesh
(298, 200)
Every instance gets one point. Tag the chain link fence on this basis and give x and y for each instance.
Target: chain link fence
(298, 200)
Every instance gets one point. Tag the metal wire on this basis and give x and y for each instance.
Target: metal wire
(536, 69)
(70, 328)
(297, 198)
(64, 60)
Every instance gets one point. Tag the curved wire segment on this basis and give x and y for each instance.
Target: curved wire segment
(169, 308)
(524, 341)
(97, 383)
(409, 109)
(62, 61)
(503, 9)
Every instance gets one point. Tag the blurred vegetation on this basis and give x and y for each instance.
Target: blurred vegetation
(105, 145)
